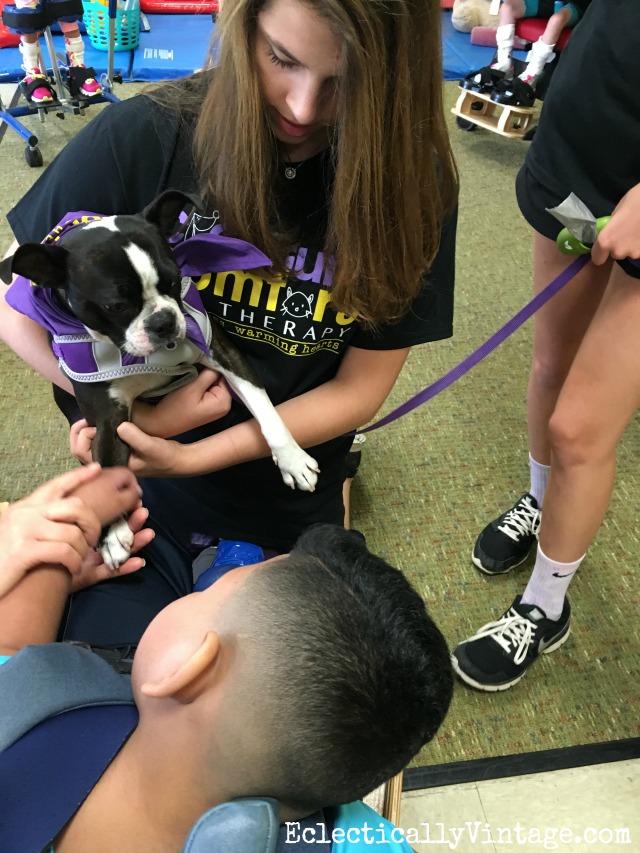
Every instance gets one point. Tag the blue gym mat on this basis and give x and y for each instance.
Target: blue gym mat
(174, 46)
(177, 44)
(459, 56)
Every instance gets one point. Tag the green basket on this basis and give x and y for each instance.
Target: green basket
(127, 25)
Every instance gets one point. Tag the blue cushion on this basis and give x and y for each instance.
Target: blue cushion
(241, 826)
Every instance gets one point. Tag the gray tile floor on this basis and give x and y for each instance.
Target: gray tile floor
(571, 811)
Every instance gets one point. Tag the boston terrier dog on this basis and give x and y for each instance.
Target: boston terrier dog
(124, 319)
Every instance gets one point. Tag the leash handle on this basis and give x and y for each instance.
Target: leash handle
(570, 245)
(487, 347)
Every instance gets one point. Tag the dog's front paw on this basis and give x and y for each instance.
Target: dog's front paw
(297, 467)
(116, 544)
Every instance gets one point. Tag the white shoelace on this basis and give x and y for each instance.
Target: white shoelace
(512, 629)
(522, 520)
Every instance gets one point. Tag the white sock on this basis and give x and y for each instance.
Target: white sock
(539, 477)
(505, 37)
(540, 53)
(30, 55)
(76, 47)
(548, 584)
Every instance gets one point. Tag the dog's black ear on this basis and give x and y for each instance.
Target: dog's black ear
(5, 270)
(44, 265)
(166, 208)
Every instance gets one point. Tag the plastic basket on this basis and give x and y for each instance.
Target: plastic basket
(127, 24)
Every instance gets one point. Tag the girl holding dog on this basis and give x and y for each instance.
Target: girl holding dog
(319, 136)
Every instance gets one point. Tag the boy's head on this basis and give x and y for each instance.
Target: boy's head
(312, 678)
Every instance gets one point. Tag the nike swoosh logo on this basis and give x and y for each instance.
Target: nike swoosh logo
(544, 644)
(568, 574)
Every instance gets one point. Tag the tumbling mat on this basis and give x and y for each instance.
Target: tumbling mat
(176, 45)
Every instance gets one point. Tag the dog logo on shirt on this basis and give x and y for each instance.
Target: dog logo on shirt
(297, 304)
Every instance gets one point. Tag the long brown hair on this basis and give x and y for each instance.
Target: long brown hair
(395, 177)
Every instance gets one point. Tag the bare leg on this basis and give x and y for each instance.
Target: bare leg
(543, 49)
(599, 396)
(346, 499)
(511, 11)
(555, 25)
(558, 330)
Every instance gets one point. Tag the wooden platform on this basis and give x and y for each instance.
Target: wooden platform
(507, 120)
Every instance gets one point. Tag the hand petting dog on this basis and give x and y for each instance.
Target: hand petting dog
(60, 524)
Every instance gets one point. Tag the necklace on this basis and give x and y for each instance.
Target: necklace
(291, 169)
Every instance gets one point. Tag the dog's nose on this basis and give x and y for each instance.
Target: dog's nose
(162, 323)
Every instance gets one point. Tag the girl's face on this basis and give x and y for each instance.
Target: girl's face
(299, 68)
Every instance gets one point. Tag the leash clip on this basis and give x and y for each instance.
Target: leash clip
(570, 245)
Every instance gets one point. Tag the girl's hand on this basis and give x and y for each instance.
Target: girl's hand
(152, 456)
(620, 238)
(205, 399)
(55, 526)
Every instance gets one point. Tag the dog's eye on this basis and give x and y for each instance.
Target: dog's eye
(116, 307)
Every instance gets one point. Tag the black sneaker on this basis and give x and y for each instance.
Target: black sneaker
(506, 542)
(498, 656)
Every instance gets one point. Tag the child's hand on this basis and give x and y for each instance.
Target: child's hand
(620, 238)
(60, 523)
(93, 569)
(81, 437)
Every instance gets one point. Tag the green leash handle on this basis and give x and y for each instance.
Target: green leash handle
(570, 245)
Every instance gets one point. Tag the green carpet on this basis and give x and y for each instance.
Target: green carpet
(431, 481)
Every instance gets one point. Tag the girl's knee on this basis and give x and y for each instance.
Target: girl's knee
(576, 439)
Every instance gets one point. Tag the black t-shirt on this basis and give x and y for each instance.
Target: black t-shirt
(588, 138)
(288, 329)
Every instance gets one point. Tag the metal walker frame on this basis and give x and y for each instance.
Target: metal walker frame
(64, 102)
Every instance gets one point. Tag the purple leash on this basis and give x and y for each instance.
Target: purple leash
(487, 347)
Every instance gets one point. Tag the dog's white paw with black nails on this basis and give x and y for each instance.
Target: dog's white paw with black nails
(297, 467)
(116, 544)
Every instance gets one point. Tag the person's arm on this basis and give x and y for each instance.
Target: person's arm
(46, 548)
(341, 405)
(29, 341)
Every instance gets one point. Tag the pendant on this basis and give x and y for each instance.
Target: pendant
(289, 172)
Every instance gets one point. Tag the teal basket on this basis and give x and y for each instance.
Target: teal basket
(127, 29)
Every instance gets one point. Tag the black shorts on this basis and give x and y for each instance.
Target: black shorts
(533, 199)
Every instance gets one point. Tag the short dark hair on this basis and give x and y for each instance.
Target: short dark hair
(357, 675)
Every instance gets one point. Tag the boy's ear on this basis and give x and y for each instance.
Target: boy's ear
(44, 265)
(181, 684)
